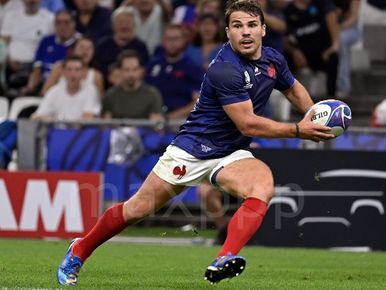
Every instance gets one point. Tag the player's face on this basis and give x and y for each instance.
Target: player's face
(245, 34)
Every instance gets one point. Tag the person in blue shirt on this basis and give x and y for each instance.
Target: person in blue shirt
(51, 49)
(175, 74)
(211, 145)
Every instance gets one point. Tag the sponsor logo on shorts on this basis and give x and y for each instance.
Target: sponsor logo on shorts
(179, 171)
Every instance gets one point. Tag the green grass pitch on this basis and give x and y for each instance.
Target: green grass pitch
(32, 264)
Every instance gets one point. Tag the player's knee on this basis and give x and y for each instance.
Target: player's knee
(262, 188)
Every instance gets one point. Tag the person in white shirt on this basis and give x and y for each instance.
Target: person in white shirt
(9, 5)
(22, 31)
(73, 101)
(150, 17)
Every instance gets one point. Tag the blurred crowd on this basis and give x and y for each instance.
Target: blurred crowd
(146, 58)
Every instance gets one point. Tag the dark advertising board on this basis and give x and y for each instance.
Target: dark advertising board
(325, 199)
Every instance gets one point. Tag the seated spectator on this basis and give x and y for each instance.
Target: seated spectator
(7, 6)
(71, 101)
(209, 7)
(176, 76)
(132, 99)
(150, 16)
(123, 38)
(83, 48)
(53, 6)
(22, 31)
(92, 20)
(114, 75)
(186, 15)
(207, 42)
(313, 40)
(349, 35)
(51, 49)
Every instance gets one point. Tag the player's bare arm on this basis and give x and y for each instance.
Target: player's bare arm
(256, 126)
(299, 97)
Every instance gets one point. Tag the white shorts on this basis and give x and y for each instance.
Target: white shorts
(178, 167)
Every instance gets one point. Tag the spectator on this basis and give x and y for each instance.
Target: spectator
(185, 14)
(207, 42)
(150, 16)
(349, 35)
(279, 107)
(22, 31)
(92, 20)
(276, 26)
(209, 7)
(132, 99)
(51, 49)
(7, 6)
(379, 115)
(176, 76)
(123, 38)
(83, 48)
(314, 38)
(53, 5)
(114, 75)
(73, 101)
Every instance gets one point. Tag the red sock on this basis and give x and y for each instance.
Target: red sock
(244, 223)
(108, 225)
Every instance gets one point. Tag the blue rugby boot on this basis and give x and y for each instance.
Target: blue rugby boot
(69, 268)
(223, 267)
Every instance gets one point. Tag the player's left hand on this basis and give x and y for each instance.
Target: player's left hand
(311, 131)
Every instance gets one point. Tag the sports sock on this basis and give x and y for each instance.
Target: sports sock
(243, 224)
(108, 225)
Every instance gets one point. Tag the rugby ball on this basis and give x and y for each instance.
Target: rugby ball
(332, 113)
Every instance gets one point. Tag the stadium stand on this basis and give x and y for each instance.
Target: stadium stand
(22, 103)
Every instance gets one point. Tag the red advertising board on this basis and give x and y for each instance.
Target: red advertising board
(49, 204)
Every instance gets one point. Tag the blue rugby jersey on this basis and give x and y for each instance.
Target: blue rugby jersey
(208, 132)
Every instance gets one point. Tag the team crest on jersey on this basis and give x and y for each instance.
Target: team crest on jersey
(271, 71)
(248, 84)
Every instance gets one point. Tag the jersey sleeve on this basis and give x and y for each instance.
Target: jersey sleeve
(285, 78)
(227, 82)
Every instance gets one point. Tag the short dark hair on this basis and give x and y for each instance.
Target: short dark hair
(249, 6)
(127, 53)
(72, 57)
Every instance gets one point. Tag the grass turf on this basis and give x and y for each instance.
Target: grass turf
(26, 264)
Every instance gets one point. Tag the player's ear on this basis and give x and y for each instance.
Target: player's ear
(227, 31)
(264, 26)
